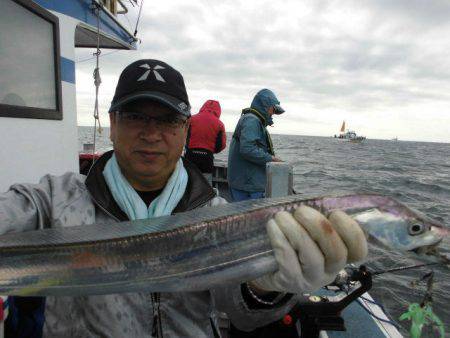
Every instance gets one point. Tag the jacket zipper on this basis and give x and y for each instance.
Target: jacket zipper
(155, 296)
(157, 327)
(201, 203)
(104, 209)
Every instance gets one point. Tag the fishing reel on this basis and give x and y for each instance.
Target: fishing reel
(317, 312)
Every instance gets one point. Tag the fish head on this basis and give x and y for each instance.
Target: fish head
(402, 228)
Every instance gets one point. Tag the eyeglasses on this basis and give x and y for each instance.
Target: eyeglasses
(165, 122)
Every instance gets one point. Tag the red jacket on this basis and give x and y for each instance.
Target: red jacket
(207, 131)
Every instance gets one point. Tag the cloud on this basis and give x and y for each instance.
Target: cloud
(377, 63)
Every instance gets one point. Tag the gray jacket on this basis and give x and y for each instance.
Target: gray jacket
(72, 199)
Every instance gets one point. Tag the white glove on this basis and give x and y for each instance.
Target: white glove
(310, 250)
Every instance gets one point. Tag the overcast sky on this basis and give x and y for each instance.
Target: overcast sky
(383, 66)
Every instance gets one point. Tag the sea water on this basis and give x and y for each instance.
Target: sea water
(415, 173)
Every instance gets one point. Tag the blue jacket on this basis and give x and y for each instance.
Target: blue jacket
(251, 146)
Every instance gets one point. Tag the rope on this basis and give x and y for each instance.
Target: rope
(97, 80)
(139, 16)
(93, 57)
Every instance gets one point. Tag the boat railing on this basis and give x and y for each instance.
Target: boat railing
(279, 179)
(113, 6)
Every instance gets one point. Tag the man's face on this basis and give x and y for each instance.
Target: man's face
(148, 139)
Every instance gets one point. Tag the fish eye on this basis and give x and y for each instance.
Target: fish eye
(416, 229)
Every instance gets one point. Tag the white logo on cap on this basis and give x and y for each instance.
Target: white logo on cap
(149, 69)
(182, 105)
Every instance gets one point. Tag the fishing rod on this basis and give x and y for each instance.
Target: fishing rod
(345, 276)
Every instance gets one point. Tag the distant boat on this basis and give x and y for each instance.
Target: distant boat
(349, 135)
(395, 138)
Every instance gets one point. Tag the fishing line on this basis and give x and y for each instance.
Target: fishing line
(388, 321)
(402, 268)
(420, 314)
(424, 306)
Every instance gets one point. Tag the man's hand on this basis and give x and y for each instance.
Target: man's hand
(276, 159)
(310, 249)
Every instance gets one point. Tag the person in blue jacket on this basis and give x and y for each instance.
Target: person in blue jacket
(251, 147)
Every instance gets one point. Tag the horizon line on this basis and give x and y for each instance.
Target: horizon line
(332, 136)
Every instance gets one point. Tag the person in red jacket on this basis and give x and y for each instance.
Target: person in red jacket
(206, 136)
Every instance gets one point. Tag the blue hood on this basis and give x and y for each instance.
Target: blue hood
(262, 101)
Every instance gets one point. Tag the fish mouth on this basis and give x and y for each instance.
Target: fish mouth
(428, 249)
(432, 241)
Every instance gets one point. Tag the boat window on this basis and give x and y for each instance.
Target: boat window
(30, 83)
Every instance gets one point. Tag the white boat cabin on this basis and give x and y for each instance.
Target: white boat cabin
(38, 115)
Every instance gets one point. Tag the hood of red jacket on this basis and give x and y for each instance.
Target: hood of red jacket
(211, 107)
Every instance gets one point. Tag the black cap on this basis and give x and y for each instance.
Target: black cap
(154, 80)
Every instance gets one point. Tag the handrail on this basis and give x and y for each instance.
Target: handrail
(124, 8)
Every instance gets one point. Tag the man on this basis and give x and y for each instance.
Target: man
(251, 147)
(206, 137)
(143, 177)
